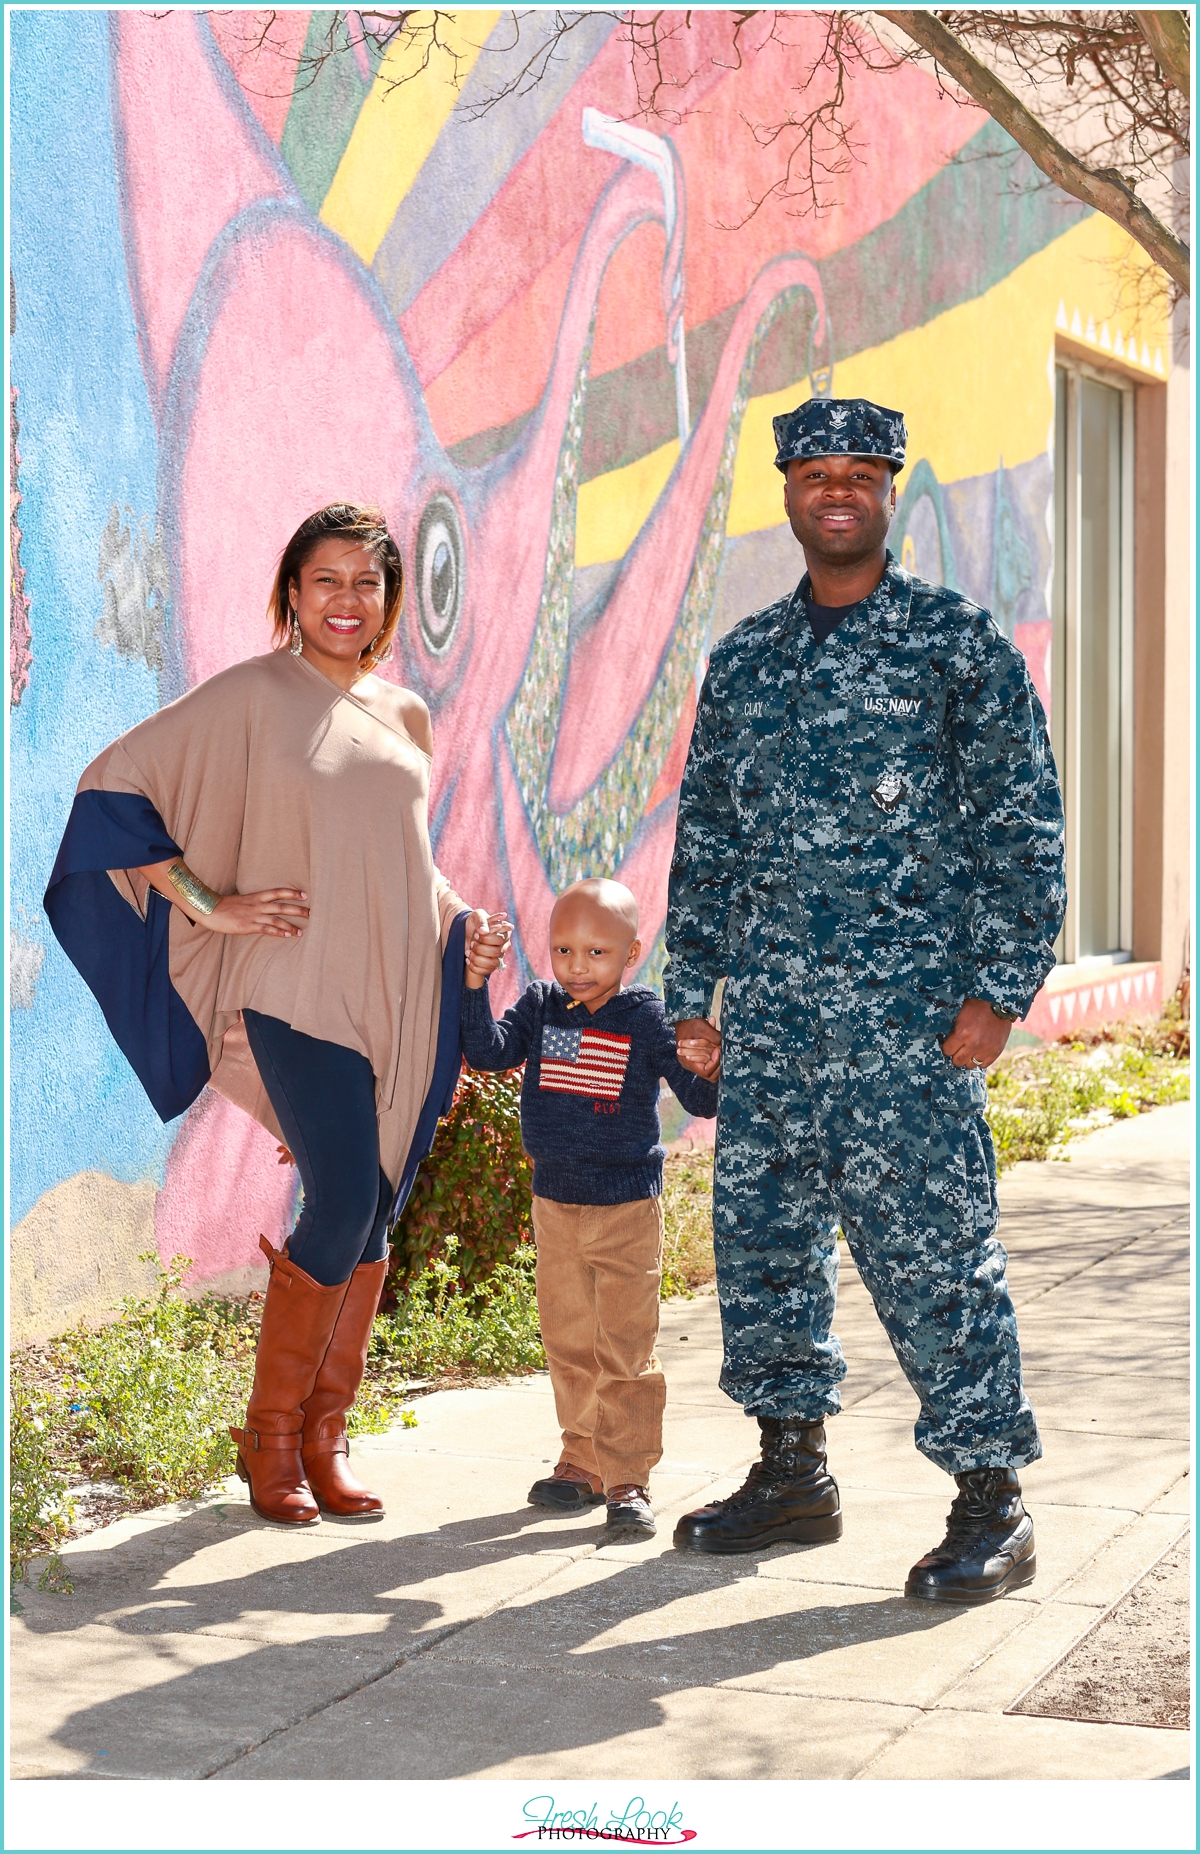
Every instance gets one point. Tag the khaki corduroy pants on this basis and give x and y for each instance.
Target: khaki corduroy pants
(599, 1268)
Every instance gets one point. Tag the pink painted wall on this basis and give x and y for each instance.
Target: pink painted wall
(510, 341)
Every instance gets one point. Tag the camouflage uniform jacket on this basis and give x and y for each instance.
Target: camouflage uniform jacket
(870, 829)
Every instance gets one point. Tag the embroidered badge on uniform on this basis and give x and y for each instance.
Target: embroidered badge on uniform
(583, 1062)
(888, 792)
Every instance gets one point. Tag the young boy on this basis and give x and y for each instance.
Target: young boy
(594, 1053)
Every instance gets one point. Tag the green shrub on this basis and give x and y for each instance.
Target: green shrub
(489, 1328)
(475, 1188)
(375, 1410)
(1167, 1035)
(1039, 1099)
(40, 1508)
(154, 1393)
(147, 1402)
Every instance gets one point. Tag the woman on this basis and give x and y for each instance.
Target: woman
(247, 886)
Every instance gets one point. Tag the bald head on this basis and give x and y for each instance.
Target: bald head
(593, 939)
(596, 893)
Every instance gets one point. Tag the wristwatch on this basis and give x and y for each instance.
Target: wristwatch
(1006, 1017)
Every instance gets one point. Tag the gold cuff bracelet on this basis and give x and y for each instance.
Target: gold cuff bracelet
(191, 889)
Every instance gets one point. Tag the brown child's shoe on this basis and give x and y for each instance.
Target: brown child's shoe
(568, 1489)
(629, 1514)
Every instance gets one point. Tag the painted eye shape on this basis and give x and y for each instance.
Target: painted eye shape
(440, 582)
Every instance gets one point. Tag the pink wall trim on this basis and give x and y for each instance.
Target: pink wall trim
(1114, 993)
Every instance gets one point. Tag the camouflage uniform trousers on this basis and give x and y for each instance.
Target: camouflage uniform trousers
(899, 1155)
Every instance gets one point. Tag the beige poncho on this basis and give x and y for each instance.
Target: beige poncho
(270, 776)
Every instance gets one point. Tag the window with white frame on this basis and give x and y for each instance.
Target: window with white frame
(1091, 711)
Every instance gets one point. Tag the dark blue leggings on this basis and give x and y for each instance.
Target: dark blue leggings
(324, 1099)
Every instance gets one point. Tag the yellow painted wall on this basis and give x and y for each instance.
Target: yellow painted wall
(974, 385)
(612, 508)
(396, 131)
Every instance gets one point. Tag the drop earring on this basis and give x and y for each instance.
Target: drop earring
(297, 645)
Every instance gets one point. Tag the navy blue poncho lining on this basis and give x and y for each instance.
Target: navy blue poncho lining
(124, 961)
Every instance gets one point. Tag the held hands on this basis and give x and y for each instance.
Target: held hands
(489, 937)
(698, 1047)
(978, 1036)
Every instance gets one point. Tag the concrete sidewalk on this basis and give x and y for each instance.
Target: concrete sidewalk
(470, 1635)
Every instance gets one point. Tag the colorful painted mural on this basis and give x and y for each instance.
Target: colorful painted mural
(527, 333)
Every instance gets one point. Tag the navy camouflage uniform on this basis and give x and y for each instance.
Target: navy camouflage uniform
(870, 831)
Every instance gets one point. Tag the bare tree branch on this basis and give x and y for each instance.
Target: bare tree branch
(543, 51)
(1092, 82)
(1104, 189)
(1166, 33)
(364, 36)
(1106, 117)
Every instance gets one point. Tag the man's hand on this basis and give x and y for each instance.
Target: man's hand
(698, 1047)
(978, 1036)
(489, 937)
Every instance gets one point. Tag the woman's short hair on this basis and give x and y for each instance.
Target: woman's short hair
(362, 527)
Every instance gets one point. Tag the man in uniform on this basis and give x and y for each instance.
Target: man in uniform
(870, 852)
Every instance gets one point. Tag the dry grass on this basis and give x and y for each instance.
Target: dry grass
(687, 1209)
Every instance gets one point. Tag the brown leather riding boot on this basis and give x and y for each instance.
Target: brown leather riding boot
(299, 1316)
(325, 1444)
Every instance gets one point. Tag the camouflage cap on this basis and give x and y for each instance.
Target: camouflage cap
(839, 428)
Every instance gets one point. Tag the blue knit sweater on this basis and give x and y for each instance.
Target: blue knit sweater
(589, 1098)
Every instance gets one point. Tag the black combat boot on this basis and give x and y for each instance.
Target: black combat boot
(988, 1547)
(789, 1495)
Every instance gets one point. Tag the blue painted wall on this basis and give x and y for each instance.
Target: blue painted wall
(87, 442)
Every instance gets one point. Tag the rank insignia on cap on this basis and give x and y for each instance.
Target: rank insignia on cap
(840, 428)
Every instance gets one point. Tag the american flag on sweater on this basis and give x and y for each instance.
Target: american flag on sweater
(583, 1062)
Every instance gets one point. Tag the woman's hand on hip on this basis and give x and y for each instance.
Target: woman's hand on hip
(278, 911)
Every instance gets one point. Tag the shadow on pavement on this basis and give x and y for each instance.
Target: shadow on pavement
(195, 1722)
